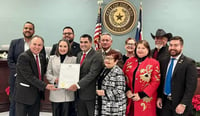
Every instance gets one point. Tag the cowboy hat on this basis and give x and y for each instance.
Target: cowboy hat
(162, 33)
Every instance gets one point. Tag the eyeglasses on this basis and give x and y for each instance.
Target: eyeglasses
(67, 33)
(130, 44)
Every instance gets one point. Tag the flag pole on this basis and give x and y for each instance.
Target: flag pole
(98, 27)
(141, 20)
(138, 35)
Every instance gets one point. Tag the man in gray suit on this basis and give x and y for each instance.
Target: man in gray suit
(106, 43)
(91, 64)
(31, 66)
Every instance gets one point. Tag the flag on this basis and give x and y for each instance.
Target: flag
(98, 30)
(138, 35)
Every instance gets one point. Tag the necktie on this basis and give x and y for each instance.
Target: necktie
(167, 88)
(155, 55)
(38, 67)
(83, 58)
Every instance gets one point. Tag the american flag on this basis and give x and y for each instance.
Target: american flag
(98, 30)
(138, 35)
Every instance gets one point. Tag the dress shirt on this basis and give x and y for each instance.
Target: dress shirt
(38, 60)
(26, 45)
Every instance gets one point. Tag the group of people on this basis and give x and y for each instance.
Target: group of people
(158, 82)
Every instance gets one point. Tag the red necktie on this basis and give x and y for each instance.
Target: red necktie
(155, 55)
(38, 67)
(83, 58)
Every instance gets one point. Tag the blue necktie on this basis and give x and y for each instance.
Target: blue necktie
(167, 89)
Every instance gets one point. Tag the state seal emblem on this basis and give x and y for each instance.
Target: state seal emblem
(119, 17)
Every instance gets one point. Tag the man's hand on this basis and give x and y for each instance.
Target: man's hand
(180, 109)
(51, 87)
(73, 88)
(159, 103)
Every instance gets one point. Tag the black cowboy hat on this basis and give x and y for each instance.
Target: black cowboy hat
(161, 33)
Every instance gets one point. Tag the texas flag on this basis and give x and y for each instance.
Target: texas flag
(138, 35)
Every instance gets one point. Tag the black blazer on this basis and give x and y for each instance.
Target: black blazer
(162, 53)
(120, 62)
(89, 70)
(15, 49)
(28, 85)
(183, 83)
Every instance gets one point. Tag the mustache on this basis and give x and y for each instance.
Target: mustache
(173, 50)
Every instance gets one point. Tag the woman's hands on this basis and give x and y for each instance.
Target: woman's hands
(100, 92)
(133, 96)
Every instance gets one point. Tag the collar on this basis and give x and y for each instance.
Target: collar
(87, 51)
(34, 55)
(106, 50)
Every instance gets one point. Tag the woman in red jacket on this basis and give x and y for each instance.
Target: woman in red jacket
(143, 79)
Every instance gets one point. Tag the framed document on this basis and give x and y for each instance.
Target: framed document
(69, 74)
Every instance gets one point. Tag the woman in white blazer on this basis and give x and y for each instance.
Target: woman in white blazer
(60, 98)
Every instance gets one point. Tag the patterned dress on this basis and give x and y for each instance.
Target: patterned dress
(147, 80)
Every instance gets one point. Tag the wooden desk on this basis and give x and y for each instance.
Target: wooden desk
(197, 92)
(4, 99)
(4, 74)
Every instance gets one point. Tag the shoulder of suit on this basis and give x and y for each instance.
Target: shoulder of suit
(75, 43)
(187, 58)
(26, 54)
(79, 54)
(18, 40)
(55, 45)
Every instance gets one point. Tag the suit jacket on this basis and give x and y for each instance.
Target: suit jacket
(162, 53)
(28, 86)
(183, 83)
(89, 70)
(53, 72)
(75, 49)
(120, 62)
(15, 49)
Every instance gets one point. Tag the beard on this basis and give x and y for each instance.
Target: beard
(70, 40)
(159, 46)
(174, 52)
(27, 36)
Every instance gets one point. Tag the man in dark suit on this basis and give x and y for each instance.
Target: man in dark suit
(17, 46)
(30, 68)
(161, 48)
(106, 43)
(91, 64)
(68, 34)
(178, 81)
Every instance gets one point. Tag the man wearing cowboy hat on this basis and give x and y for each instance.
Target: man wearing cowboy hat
(161, 48)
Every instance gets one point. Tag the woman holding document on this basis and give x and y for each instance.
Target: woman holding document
(60, 98)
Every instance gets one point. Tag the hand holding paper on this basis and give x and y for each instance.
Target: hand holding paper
(73, 88)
